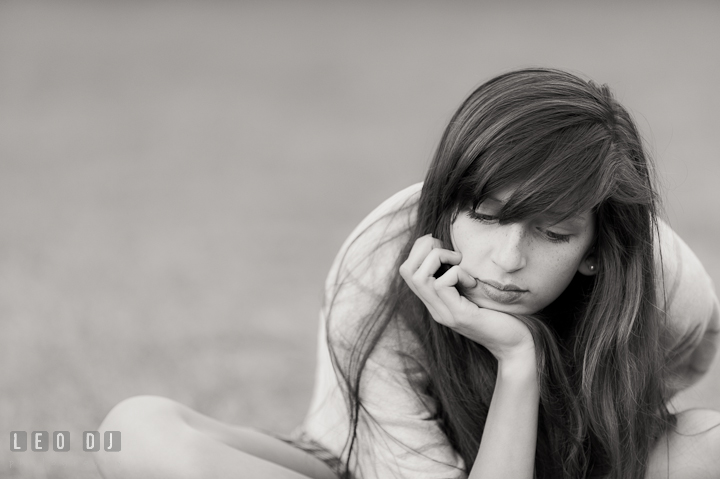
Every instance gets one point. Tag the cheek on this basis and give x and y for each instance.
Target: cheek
(558, 270)
(466, 237)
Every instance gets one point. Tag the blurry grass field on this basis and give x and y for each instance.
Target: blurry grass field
(176, 178)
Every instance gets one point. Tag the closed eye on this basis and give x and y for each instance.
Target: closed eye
(556, 237)
(482, 218)
(489, 219)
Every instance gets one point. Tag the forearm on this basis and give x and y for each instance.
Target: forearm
(507, 449)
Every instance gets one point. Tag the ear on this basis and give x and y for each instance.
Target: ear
(589, 264)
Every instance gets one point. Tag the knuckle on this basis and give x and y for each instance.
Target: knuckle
(435, 253)
(426, 242)
(423, 240)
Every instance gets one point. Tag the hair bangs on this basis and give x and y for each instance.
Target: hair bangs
(555, 177)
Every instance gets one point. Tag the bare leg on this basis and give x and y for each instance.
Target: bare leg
(692, 451)
(164, 439)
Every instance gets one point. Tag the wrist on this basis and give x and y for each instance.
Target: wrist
(521, 363)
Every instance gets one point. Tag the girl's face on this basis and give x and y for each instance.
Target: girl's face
(521, 267)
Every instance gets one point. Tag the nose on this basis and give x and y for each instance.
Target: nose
(509, 251)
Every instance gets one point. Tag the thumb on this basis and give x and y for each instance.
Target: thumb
(465, 280)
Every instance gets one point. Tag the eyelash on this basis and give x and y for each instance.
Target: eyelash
(489, 219)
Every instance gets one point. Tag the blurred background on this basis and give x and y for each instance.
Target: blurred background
(176, 178)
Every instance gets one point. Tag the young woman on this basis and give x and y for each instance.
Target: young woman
(520, 314)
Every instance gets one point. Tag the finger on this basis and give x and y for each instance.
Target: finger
(446, 288)
(449, 280)
(422, 281)
(456, 276)
(436, 258)
(437, 308)
(465, 280)
(418, 252)
(421, 248)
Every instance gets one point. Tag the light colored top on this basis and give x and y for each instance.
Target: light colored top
(402, 439)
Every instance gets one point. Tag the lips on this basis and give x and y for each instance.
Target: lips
(502, 287)
(501, 293)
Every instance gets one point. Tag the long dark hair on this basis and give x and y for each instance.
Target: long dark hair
(569, 146)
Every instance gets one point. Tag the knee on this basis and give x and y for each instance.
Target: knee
(139, 412)
(152, 432)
